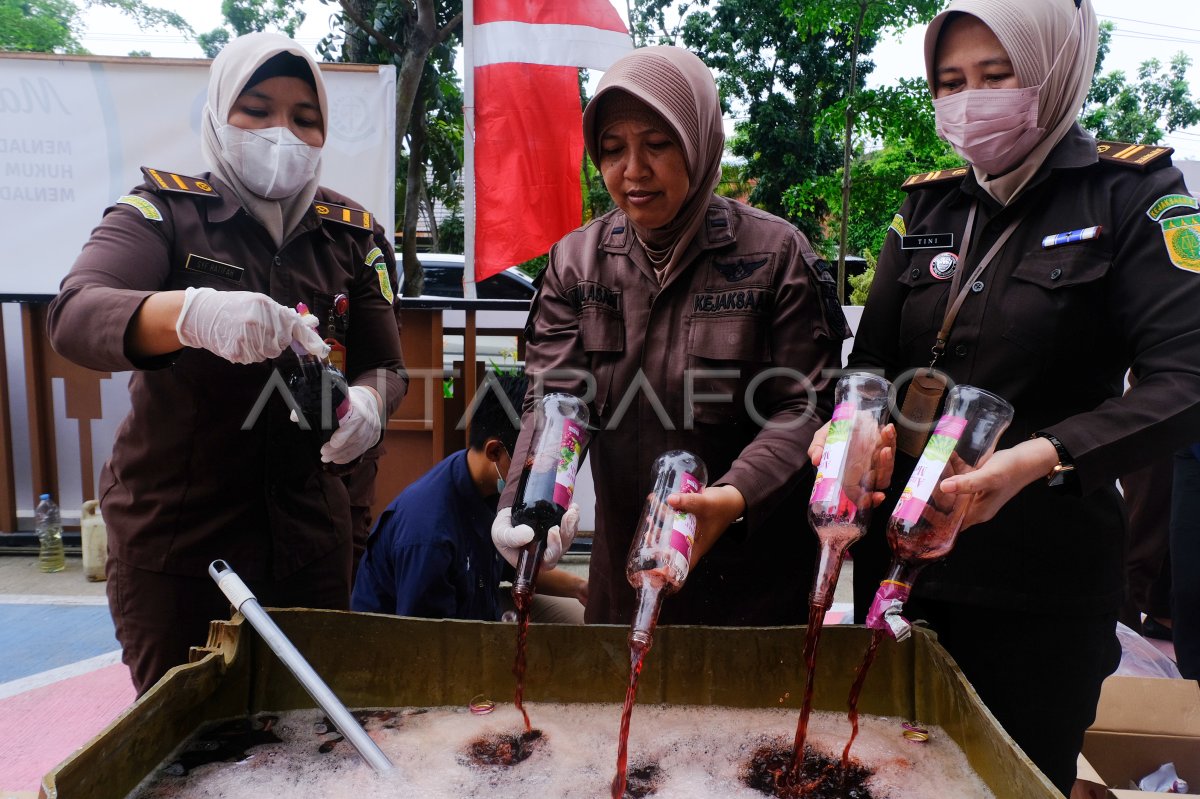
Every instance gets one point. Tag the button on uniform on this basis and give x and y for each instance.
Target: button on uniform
(961, 349)
(1055, 274)
(977, 286)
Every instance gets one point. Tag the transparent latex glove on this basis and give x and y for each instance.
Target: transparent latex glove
(509, 538)
(243, 326)
(357, 431)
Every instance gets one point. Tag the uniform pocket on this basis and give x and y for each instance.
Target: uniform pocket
(924, 307)
(724, 354)
(603, 335)
(1055, 293)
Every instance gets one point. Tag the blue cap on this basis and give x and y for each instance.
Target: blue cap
(44, 496)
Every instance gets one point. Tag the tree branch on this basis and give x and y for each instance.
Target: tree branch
(370, 29)
(444, 34)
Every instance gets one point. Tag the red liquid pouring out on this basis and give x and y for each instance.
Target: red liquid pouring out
(856, 690)
(816, 615)
(637, 656)
(522, 600)
(818, 777)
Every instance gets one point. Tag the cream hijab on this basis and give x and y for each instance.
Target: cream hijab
(1052, 44)
(678, 87)
(228, 76)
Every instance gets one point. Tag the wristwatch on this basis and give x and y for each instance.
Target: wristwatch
(1065, 468)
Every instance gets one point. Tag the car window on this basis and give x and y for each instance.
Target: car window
(503, 287)
(443, 281)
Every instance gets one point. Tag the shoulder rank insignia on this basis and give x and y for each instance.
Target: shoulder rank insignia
(1132, 155)
(937, 176)
(353, 217)
(169, 181)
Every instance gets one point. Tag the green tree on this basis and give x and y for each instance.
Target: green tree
(418, 37)
(1159, 102)
(251, 16)
(54, 26)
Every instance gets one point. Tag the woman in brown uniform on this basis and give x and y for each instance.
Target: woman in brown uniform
(689, 321)
(192, 282)
(1089, 267)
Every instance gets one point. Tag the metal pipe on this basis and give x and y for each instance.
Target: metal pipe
(244, 600)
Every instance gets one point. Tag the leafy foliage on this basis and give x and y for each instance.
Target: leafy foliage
(251, 16)
(1158, 102)
(54, 26)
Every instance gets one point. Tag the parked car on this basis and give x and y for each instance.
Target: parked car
(444, 275)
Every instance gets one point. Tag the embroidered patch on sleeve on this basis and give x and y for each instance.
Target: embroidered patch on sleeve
(1169, 202)
(1182, 237)
(376, 261)
(147, 208)
(898, 226)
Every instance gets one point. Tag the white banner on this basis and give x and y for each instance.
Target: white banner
(74, 133)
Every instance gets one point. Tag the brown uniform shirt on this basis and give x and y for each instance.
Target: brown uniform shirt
(668, 368)
(1052, 329)
(196, 471)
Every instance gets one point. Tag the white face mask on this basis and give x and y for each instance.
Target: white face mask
(272, 162)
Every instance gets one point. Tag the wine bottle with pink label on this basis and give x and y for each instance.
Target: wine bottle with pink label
(660, 556)
(926, 521)
(839, 507)
(560, 436)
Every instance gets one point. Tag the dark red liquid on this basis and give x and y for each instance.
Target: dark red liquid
(637, 656)
(504, 749)
(523, 601)
(770, 770)
(816, 616)
(856, 691)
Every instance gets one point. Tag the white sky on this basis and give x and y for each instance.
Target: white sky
(1145, 29)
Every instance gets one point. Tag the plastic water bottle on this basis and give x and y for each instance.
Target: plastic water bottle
(49, 532)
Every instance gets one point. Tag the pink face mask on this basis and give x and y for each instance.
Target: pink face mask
(994, 129)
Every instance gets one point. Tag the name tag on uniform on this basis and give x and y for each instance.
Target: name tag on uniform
(197, 263)
(943, 241)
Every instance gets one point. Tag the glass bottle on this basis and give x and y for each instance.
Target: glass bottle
(926, 522)
(661, 552)
(839, 507)
(49, 532)
(560, 434)
(318, 387)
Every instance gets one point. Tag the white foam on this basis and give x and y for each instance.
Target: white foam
(702, 752)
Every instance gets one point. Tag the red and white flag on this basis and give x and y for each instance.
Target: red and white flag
(528, 137)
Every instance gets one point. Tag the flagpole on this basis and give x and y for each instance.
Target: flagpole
(469, 149)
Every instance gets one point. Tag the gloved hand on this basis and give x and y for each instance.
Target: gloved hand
(509, 539)
(357, 431)
(243, 326)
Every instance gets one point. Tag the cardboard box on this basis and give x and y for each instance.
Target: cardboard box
(1141, 723)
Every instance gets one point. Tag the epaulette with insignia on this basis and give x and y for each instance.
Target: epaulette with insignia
(932, 178)
(169, 181)
(1138, 156)
(354, 217)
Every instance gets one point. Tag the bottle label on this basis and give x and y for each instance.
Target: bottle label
(683, 528)
(929, 469)
(568, 463)
(827, 489)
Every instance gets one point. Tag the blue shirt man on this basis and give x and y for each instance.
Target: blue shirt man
(431, 553)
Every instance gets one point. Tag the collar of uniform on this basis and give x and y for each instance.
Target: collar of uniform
(1076, 150)
(718, 225)
(619, 236)
(224, 207)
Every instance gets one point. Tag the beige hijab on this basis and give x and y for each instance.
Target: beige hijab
(230, 71)
(677, 86)
(1052, 44)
